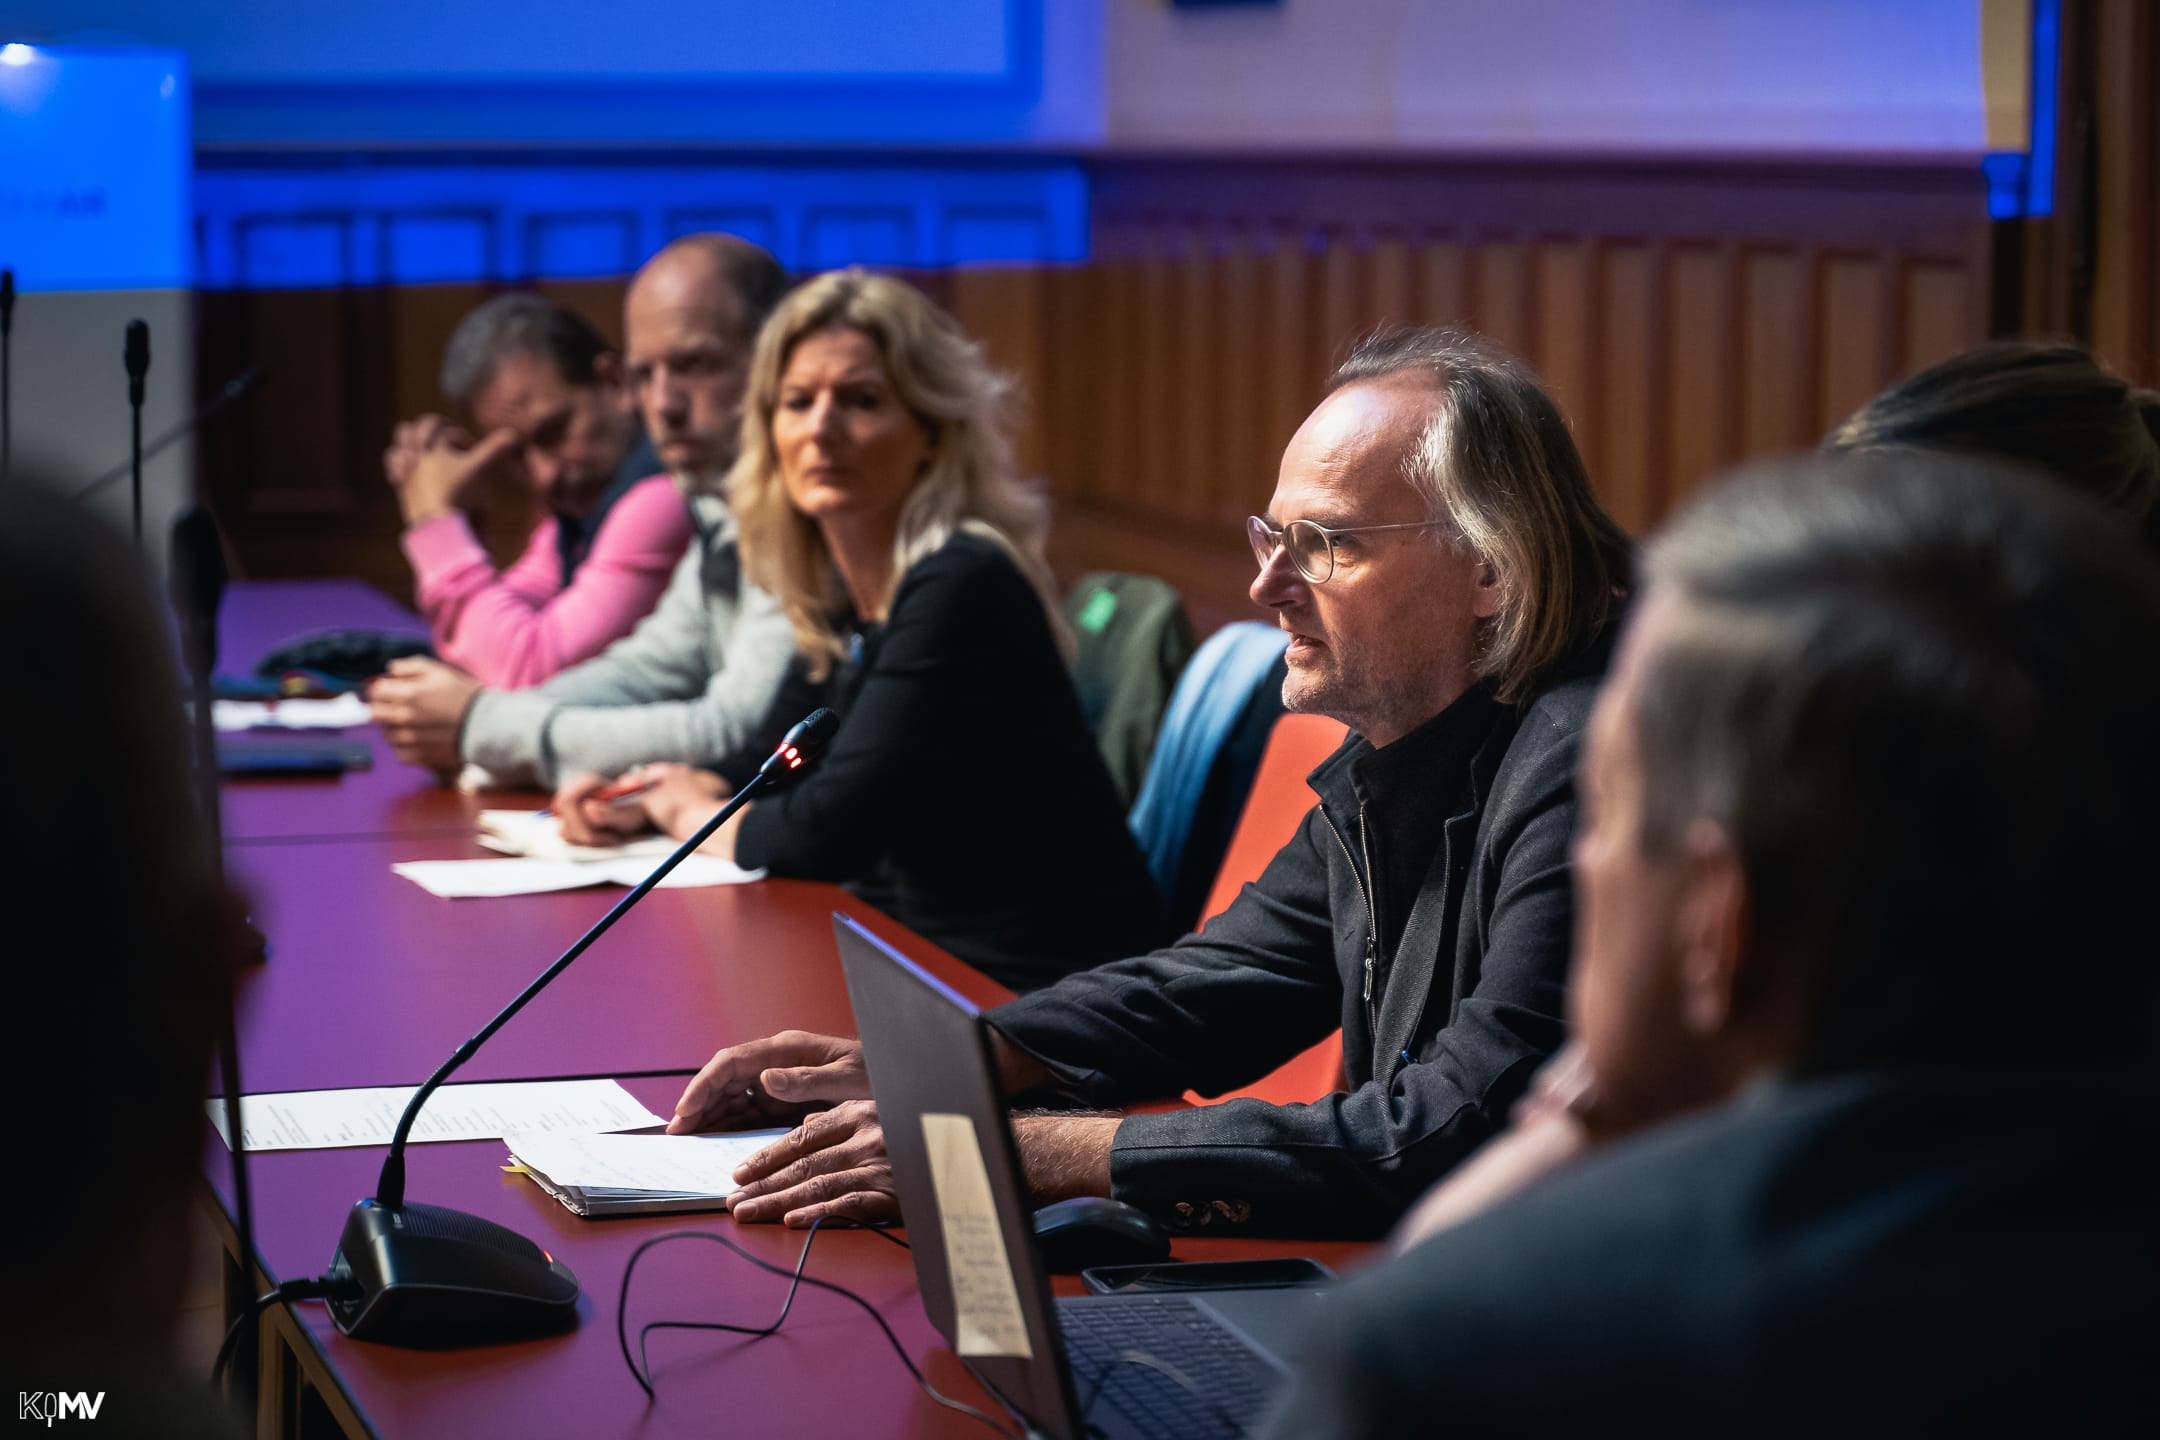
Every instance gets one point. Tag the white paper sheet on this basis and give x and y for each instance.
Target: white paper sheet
(335, 1119)
(478, 879)
(986, 1301)
(527, 832)
(677, 1164)
(339, 712)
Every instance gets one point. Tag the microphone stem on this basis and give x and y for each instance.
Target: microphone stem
(390, 1189)
(135, 454)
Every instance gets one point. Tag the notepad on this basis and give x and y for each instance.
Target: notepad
(595, 1176)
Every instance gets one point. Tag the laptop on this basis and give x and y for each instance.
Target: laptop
(1194, 1364)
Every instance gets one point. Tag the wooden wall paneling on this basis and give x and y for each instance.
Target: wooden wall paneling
(1198, 412)
(1157, 370)
(1296, 365)
(599, 302)
(1685, 313)
(2126, 271)
(1115, 483)
(1565, 277)
(1389, 301)
(1629, 420)
(1241, 439)
(1502, 304)
(1346, 314)
(1777, 410)
(1002, 307)
(1850, 354)
(1700, 397)
(1444, 273)
(1937, 309)
(1061, 396)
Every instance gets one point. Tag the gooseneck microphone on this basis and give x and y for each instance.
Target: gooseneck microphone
(426, 1274)
(7, 374)
(238, 388)
(137, 357)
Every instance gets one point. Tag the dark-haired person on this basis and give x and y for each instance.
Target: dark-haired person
(1864, 989)
(879, 506)
(1446, 577)
(697, 679)
(2045, 405)
(545, 393)
(115, 1011)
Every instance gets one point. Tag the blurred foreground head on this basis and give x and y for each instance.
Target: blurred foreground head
(1873, 771)
(123, 941)
(2052, 407)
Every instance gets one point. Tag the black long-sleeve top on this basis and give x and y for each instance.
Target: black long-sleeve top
(963, 795)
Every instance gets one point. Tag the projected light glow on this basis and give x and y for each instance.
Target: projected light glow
(17, 53)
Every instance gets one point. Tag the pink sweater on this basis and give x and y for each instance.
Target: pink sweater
(517, 627)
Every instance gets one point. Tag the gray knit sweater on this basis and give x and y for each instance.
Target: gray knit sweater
(693, 682)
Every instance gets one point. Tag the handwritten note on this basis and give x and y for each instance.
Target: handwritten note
(986, 1302)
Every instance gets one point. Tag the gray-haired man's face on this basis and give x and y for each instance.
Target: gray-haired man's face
(1390, 639)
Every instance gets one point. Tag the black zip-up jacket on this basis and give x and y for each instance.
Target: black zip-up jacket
(1434, 870)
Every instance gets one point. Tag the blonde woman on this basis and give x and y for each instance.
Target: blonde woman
(963, 795)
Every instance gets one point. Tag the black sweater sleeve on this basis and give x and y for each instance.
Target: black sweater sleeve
(955, 626)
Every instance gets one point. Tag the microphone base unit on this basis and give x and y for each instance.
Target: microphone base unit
(427, 1276)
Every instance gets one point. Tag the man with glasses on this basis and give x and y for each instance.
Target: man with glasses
(1448, 582)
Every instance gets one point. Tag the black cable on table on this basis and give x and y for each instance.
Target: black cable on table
(640, 1366)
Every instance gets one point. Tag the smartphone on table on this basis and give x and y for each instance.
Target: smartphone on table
(1174, 1276)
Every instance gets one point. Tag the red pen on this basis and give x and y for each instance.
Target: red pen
(621, 792)
(627, 789)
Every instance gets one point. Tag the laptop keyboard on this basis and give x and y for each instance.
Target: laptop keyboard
(1166, 1366)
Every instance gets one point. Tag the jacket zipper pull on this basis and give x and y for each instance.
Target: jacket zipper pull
(1371, 960)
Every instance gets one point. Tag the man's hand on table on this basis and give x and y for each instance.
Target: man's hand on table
(420, 705)
(833, 1165)
(773, 1081)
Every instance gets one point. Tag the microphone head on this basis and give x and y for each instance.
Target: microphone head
(802, 743)
(138, 349)
(814, 731)
(198, 565)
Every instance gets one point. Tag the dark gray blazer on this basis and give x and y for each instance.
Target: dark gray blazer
(1883, 1253)
(1467, 823)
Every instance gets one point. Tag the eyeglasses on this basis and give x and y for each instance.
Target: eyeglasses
(1311, 545)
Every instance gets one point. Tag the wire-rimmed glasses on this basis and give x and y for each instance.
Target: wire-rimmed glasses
(1311, 545)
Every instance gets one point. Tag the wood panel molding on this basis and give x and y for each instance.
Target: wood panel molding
(1687, 314)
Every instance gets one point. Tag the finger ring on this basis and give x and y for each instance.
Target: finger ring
(751, 1092)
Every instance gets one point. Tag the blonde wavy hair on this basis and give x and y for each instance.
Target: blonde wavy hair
(968, 487)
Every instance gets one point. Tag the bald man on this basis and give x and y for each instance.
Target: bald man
(698, 678)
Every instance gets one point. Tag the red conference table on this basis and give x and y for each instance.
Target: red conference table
(372, 981)
(390, 797)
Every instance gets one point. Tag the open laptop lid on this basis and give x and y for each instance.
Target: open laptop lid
(970, 1229)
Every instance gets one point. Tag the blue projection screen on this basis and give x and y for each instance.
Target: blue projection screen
(95, 191)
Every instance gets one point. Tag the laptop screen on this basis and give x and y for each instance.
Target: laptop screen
(970, 1228)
